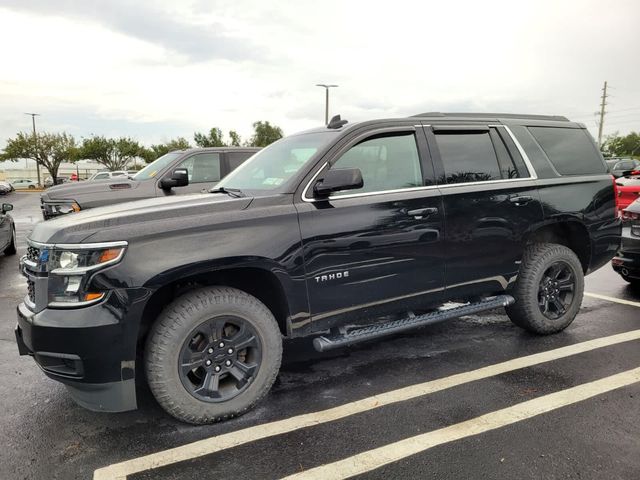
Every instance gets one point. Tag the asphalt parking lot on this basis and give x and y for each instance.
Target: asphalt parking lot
(472, 398)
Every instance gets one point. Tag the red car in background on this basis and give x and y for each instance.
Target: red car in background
(628, 189)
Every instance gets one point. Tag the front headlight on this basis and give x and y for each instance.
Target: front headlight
(61, 207)
(70, 268)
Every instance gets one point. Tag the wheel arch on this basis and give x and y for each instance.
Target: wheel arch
(569, 232)
(262, 279)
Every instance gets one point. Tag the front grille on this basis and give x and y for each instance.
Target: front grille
(31, 291)
(33, 254)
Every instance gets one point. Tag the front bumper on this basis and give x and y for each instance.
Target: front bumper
(91, 350)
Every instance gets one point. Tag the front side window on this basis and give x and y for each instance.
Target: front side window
(467, 157)
(203, 168)
(387, 162)
(101, 175)
(159, 164)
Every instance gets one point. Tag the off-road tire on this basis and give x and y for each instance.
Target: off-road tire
(633, 281)
(172, 328)
(526, 312)
(11, 249)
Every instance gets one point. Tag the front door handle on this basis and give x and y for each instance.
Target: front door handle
(520, 200)
(420, 213)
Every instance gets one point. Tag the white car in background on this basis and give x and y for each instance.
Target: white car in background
(23, 184)
(108, 175)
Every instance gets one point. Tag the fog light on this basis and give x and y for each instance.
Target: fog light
(73, 284)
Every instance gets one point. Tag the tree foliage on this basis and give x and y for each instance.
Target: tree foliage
(212, 139)
(113, 153)
(235, 138)
(160, 149)
(49, 150)
(264, 134)
(622, 146)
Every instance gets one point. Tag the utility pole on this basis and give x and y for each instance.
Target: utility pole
(603, 103)
(35, 142)
(326, 100)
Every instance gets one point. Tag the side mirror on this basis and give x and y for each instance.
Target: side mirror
(6, 207)
(338, 179)
(179, 178)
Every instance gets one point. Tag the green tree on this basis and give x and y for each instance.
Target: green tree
(213, 139)
(160, 149)
(113, 153)
(235, 138)
(264, 134)
(49, 150)
(615, 145)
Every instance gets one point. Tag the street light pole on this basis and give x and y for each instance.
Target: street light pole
(35, 141)
(326, 100)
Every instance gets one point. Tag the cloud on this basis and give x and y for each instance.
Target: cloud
(196, 41)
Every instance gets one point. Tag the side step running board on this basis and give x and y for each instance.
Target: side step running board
(357, 335)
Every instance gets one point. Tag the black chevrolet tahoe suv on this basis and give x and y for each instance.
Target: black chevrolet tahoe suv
(347, 232)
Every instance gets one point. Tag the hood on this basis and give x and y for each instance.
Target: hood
(76, 190)
(153, 216)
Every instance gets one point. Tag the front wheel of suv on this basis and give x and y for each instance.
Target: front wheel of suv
(549, 289)
(212, 354)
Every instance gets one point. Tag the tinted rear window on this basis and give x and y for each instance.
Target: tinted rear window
(468, 157)
(569, 149)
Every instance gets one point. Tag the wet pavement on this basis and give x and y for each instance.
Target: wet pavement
(45, 435)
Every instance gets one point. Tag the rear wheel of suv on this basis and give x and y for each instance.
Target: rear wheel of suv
(212, 354)
(635, 282)
(549, 289)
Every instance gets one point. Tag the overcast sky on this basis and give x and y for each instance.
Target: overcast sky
(156, 69)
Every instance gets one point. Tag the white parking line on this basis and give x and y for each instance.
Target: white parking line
(372, 459)
(119, 471)
(612, 299)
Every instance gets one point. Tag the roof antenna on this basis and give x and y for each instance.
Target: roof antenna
(335, 122)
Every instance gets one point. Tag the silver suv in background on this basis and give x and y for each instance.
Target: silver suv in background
(180, 172)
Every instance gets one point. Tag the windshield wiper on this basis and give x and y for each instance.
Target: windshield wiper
(232, 192)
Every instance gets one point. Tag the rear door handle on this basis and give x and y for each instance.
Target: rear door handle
(422, 212)
(519, 200)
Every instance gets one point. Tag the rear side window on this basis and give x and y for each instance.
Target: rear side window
(467, 157)
(570, 150)
(236, 159)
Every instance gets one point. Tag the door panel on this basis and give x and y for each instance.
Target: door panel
(485, 225)
(376, 249)
(5, 231)
(490, 202)
(372, 255)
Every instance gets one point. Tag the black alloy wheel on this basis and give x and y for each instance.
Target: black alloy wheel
(220, 358)
(556, 290)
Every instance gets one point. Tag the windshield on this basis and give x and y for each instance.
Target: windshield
(157, 165)
(274, 165)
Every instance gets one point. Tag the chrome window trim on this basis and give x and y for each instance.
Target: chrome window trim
(532, 176)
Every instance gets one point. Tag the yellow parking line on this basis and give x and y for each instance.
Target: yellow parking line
(376, 458)
(119, 471)
(613, 299)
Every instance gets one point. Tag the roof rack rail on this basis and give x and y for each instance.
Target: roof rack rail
(336, 122)
(559, 118)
